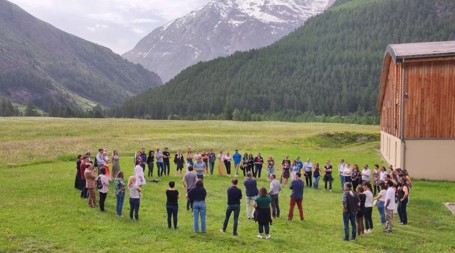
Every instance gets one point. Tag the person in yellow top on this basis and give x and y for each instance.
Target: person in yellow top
(221, 166)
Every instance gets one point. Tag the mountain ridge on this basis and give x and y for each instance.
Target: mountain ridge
(220, 28)
(330, 66)
(46, 67)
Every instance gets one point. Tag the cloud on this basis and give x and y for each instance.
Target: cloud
(105, 21)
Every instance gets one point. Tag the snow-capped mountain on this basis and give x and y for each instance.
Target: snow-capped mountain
(220, 28)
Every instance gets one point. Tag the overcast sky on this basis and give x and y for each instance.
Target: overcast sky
(116, 24)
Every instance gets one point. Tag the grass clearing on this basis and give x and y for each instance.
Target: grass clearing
(42, 212)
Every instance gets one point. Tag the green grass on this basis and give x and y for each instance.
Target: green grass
(42, 212)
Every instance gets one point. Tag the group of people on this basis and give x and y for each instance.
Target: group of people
(392, 190)
(359, 195)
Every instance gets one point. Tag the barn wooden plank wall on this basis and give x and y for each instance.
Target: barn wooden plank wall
(430, 102)
(391, 107)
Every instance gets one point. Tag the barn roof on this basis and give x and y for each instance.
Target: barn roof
(412, 51)
(421, 50)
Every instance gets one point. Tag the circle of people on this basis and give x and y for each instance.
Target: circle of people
(390, 187)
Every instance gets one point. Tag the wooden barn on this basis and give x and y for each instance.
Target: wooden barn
(417, 106)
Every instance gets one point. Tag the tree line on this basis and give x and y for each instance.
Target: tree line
(328, 68)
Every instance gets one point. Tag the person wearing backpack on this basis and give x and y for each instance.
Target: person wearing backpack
(103, 187)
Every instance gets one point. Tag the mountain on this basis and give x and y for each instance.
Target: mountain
(220, 28)
(43, 66)
(329, 66)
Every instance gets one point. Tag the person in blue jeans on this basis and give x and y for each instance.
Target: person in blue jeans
(120, 192)
(172, 205)
(316, 175)
(159, 162)
(380, 198)
(350, 202)
(197, 197)
(234, 195)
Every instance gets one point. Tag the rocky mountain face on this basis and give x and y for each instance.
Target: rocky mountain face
(48, 68)
(220, 28)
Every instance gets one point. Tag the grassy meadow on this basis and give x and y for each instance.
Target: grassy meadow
(41, 211)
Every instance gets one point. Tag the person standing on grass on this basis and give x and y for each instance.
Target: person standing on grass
(356, 177)
(234, 195)
(172, 205)
(328, 175)
(285, 173)
(296, 196)
(316, 175)
(251, 163)
(99, 158)
(294, 169)
(307, 166)
(166, 163)
(78, 181)
(262, 205)
(227, 163)
(115, 163)
(389, 206)
(197, 196)
(376, 179)
(251, 191)
(179, 161)
(347, 173)
(380, 198)
(350, 202)
(275, 188)
(150, 162)
(143, 159)
(245, 166)
(159, 162)
(221, 166)
(135, 197)
(361, 211)
(403, 196)
(212, 158)
(368, 208)
(105, 189)
(270, 166)
(90, 179)
(237, 160)
(341, 168)
(139, 173)
(119, 192)
(189, 182)
(205, 159)
(200, 167)
(258, 161)
(83, 166)
(189, 157)
(366, 174)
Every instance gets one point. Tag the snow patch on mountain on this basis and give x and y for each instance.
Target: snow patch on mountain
(220, 28)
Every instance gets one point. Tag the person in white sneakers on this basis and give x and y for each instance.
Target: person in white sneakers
(262, 205)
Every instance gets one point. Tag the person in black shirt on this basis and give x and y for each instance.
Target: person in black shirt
(150, 160)
(350, 207)
(172, 205)
(234, 195)
(166, 164)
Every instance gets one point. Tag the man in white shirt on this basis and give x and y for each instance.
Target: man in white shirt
(366, 174)
(275, 188)
(341, 173)
(389, 206)
(307, 166)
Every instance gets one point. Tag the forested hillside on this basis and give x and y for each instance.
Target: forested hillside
(61, 74)
(330, 66)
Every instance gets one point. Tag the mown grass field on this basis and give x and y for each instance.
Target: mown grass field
(41, 211)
